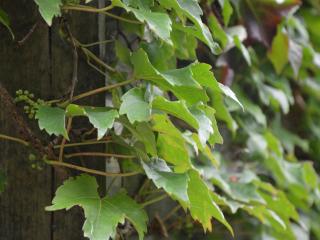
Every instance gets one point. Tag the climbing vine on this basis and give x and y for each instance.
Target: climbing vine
(214, 103)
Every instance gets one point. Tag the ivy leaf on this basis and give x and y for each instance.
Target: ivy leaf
(101, 118)
(202, 206)
(4, 19)
(143, 133)
(102, 214)
(134, 106)
(177, 109)
(279, 52)
(159, 23)
(227, 10)
(192, 10)
(49, 9)
(175, 184)
(174, 77)
(173, 80)
(52, 119)
(173, 150)
(229, 93)
(205, 126)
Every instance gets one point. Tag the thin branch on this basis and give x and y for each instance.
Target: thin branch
(89, 54)
(14, 139)
(99, 10)
(171, 213)
(89, 170)
(96, 91)
(82, 144)
(154, 200)
(97, 154)
(83, 8)
(96, 43)
(26, 37)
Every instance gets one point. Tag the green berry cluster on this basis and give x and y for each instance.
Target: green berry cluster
(31, 104)
(35, 163)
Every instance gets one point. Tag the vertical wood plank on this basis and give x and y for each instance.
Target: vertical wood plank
(22, 214)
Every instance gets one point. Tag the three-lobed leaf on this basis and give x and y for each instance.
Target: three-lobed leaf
(102, 214)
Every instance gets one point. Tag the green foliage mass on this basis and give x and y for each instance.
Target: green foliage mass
(221, 113)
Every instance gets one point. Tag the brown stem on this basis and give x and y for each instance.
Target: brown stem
(89, 170)
(97, 154)
(14, 139)
(97, 91)
(83, 8)
(82, 144)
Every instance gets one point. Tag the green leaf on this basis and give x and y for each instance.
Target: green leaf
(202, 206)
(310, 176)
(178, 81)
(52, 119)
(102, 214)
(143, 133)
(74, 110)
(217, 31)
(229, 93)
(205, 129)
(242, 49)
(192, 10)
(279, 52)
(49, 9)
(177, 109)
(101, 118)
(4, 19)
(135, 106)
(159, 23)
(227, 10)
(173, 150)
(175, 184)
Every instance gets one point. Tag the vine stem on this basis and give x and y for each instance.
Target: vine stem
(82, 144)
(97, 154)
(89, 170)
(14, 139)
(84, 8)
(96, 91)
(154, 200)
(104, 10)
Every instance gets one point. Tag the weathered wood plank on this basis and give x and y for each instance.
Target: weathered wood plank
(22, 214)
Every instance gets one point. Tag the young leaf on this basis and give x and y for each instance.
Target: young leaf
(102, 214)
(134, 106)
(52, 119)
(49, 9)
(101, 118)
